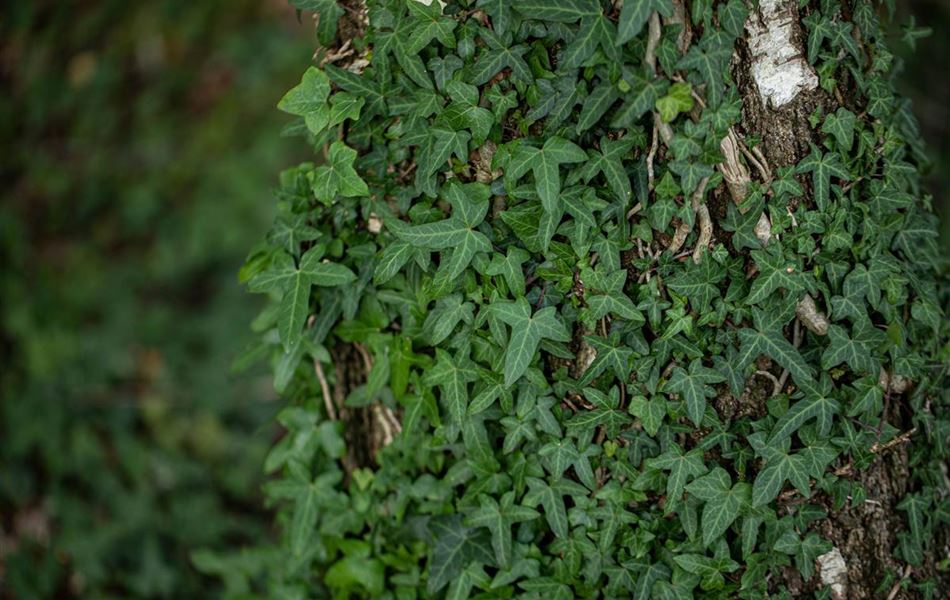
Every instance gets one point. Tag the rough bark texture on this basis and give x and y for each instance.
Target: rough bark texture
(864, 535)
(784, 129)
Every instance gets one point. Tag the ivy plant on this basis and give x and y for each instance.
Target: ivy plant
(547, 346)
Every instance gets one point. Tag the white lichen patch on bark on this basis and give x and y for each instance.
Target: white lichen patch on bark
(429, 3)
(808, 313)
(763, 229)
(834, 573)
(778, 66)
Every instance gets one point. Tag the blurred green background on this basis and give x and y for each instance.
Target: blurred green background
(138, 146)
(925, 80)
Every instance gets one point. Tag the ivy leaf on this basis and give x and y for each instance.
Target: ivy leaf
(464, 111)
(916, 506)
(452, 376)
(310, 497)
(396, 42)
(678, 99)
(559, 454)
(815, 405)
(498, 518)
(635, 14)
(612, 517)
(430, 25)
(822, 167)
(443, 69)
(294, 282)
(472, 576)
(330, 12)
(856, 351)
(781, 468)
(609, 161)
(594, 31)
(440, 145)
(743, 225)
(711, 64)
(509, 267)
(361, 87)
(644, 89)
(770, 342)
(343, 106)
(499, 55)
(547, 587)
(650, 412)
(774, 273)
(691, 173)
(610, 353)
(650, 575)
(693, 386)
(469, 206)
(527, 331)
(309, 96)
(290, 232)
(596, 106)
(500, 13)
(455, 546)
(723, 501)
(563, 11)
(442, 320)
(544, 163)
(607, 296)
(840, 124)
(391, 260)
(865, 282)
(338, 176)
(819, 29)
(551, 497)
(699, 283)
(606, 413)
(682, 467)
(732, 17)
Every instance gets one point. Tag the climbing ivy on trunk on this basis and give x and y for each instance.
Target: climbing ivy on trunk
(638, 293)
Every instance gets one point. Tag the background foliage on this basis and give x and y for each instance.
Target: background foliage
(139, 142)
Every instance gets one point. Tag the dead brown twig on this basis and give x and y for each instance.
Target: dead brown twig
(325, 389)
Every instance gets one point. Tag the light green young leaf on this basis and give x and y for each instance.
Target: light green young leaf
(679, 99)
